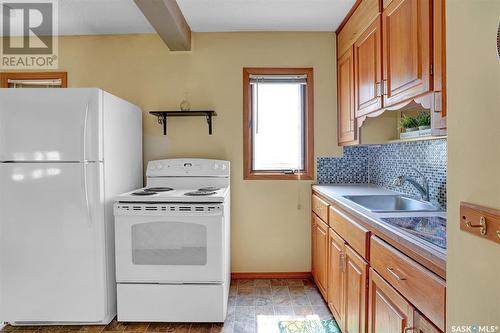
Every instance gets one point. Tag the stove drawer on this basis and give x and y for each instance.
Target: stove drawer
(172, 303)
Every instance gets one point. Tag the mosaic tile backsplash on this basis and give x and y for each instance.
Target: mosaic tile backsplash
(380, 164)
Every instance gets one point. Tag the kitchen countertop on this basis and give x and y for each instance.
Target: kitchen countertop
(429, 255)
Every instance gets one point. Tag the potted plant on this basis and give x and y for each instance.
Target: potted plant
(409, 125)
(424, 123)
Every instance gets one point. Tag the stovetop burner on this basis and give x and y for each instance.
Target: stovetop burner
(199, 193)
(209, 189)
(144, 193)
(158, 189)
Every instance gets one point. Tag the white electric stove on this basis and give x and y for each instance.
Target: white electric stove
(172, 243)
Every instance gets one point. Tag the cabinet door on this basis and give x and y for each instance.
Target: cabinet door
(368, 70)
(407, 50)
(356, 277)
(346, 123)
(321, 255)
(388, 311)
(314, 263)
(422, 324)
(336, 265)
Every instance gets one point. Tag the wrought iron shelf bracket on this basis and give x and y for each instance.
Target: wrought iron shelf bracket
(163, 117)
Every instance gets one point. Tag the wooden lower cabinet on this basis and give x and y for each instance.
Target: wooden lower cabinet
(336, 267)
(356, 281)
(370, 286)
(422, 324)
(320, 254)
(388, 311)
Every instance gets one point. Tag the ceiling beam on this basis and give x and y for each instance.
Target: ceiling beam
(167, 19)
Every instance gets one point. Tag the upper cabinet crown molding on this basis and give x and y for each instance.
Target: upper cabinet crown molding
(397, 51)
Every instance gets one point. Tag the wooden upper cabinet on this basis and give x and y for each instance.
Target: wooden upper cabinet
(320, 251)
(356, 277)
(368, 70)
(336, 267)
(353, 26)
(388, 311)
(346, 123)
(406, 26)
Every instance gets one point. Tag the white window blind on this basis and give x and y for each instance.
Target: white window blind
(277, 121)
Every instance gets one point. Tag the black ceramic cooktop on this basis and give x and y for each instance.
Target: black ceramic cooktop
(429, 228)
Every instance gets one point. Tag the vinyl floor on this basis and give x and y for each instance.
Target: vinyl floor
(255, 306)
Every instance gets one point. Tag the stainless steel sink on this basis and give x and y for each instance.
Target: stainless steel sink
(391, 203)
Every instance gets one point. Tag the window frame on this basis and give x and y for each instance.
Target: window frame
(6, 76)
(308, 172)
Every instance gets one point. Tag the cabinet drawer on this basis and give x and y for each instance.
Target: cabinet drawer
(420, 286)
(353, 233)
(320, 207)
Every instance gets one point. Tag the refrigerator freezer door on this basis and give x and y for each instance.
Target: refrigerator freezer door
(51, 243)
(50, 124)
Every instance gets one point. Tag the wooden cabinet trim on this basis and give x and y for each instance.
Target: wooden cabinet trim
(420, 286)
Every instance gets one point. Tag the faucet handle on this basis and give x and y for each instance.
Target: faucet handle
(398, 181)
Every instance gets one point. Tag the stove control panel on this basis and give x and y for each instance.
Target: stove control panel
(188, 167)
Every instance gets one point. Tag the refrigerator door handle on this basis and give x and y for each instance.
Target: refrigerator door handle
(86, 193)
(84, 134)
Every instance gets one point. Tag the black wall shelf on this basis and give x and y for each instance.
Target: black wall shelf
(163, 115)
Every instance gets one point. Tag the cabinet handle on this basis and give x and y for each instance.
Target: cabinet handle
(384, 87)
(342, 262)
(378, 89)
(400, 278)
(409, 329)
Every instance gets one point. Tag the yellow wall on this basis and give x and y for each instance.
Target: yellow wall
(473, 270)
(269, 230)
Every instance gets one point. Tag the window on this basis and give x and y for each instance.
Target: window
(278, 123)
(33, 80)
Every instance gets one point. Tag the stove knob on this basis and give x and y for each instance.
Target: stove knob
(152, 167)
(216, 166)
(160, 166)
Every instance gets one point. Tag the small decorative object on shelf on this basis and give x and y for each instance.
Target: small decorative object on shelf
(185, 106)
(163, 115)
(415, 127)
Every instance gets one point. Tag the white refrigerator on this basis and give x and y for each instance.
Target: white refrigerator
(64, 155)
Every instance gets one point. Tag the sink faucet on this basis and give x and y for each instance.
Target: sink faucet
(423, 189)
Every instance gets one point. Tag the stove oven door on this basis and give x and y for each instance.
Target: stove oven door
(169, 243)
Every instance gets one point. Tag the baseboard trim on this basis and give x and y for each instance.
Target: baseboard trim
(271, 275)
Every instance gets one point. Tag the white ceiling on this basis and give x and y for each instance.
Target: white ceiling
(264, 15)
(95, 17)
(89, 17)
